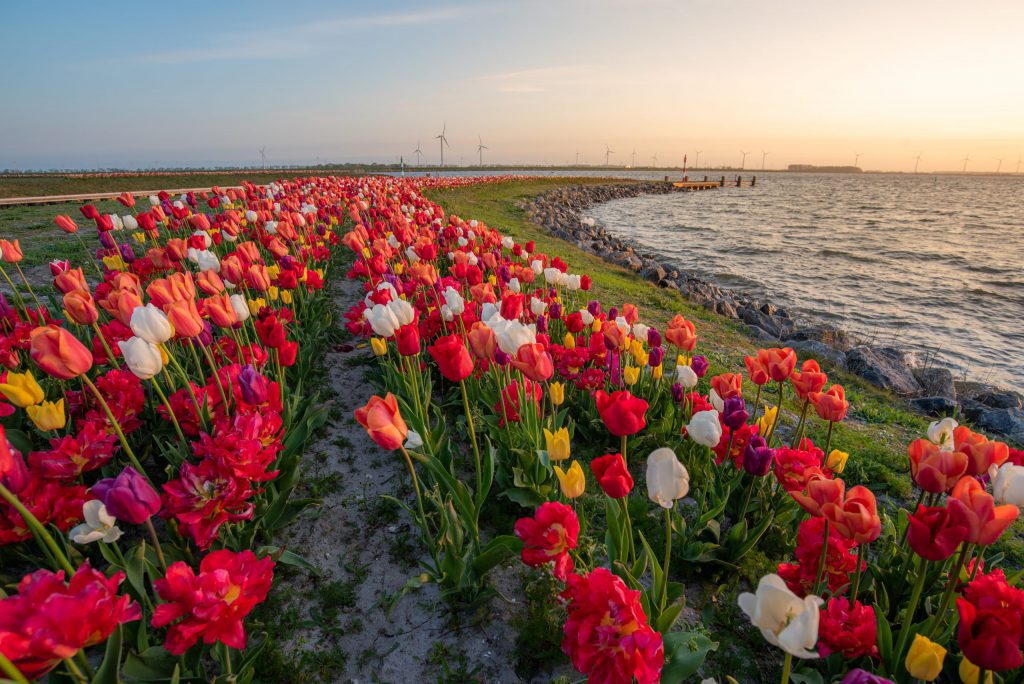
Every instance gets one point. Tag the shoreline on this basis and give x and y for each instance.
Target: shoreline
(930, 390)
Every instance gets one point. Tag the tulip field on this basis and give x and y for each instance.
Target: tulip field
(159, 400)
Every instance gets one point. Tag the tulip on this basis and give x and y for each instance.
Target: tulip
(934, 469)
(836, 461)
(766, 423)
(686, 377)
(220, 310)
(933, 533)
(383, 422)
(407, 340)
(240, 306)
(66, 223)
(21, 389)
(971, 673)
(185, 319)
(1008, 484)
(808, 379)
(572, 481)
(681, 333)
(982, 454)
(859, 676)
(99, 525)
(941, 433)
(778, 362)
(254, 386)
(819, 493)
(734, 413)
(534, 362)
(830, 405)
(728, 385)
(70, 280)
(855, 515)
(151, 324)
(785, 620)
(623, 414)
(667, 478)
(382, 320)
(142, 358)
(630, 375)
(757, 457)
(48, 415)
(128, 497)
(10, 251)
(557, 443)
(975, 508)
(925, 658)
(557, 390)
(612, 475)
(704, 428)
(989, 634)
(756, 370)
(379, 346)
(59, 353)
(80, 307)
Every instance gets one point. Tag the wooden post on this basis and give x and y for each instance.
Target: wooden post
(722, 182)
(753, 181)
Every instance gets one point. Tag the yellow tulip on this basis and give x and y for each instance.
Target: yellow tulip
(636, 348)
(682, 360)
(273, 292)
(969, 673)
(631, 374)
(286, 296)
(657, 372)
(766, 421)
(569, 342)
(924, 660)
(114, 263)
(557, 393)
(836, 460)
(399, 268)
(21, 389)
(367, 253)
(274, 271)
(596, 327)
(139, 237)
(492, 280)
(256, 304)
(48, 415)
(557, 444)
(641, 357)
(572, 481)
(379, 346)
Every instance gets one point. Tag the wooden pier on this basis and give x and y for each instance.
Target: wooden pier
(713, 184)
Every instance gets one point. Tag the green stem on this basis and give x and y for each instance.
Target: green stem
(156, 545)
(787, 664)
(30, 291)
(828, 441)
(39, 532)
(947, 595)
(11, 671)
(908, 616)
(476, 449)
(668, 558)
(75, 672)
(857, 574)
(624, 440)
(822, 561)
(170, 411)
(116, 426)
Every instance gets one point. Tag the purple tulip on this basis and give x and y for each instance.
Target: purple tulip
(860, 676)
(699, 364)
(504, 273)
(254, 386)
(594, 307)
(128, 497)
(542, 324)
(734, 413)
(107, 240)
(757, 457)
(678, 393)
(127, 253)
(205, 338)
(653, 337)
(656, 356)
(613, 313)
(555, 310)
(501, 358)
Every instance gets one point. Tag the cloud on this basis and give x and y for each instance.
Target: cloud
(303, 39)
(539, 80)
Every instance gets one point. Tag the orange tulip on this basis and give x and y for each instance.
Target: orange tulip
(66, 223)
(10, 251)
(220, 311)
(250, 251)
(232, 269)
(855, 516)
(756, 370)
(682, 333)
(177, 248)
(59, 353)
(173, 288)
(614, 334)
(482, 341)
(126, 281)
(779, 362)
(831, 405)
(423, 273)
(934, 470)
(71, 279)
(210, 283)
(184, 316)
(80, 307)
(258, 277)
(981, 453)
(276, 247)
(383, 422)
(728, 385)
(124, 302)
(974, 508)
(534, 362)
(819, 491)
(630, 313)
(808, 379)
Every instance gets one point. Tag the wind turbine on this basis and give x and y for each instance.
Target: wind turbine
(1018, 164)
(608, 152)
(263, 156)
(764, 155)
(480, 149)
(917, 161)
(999, 165)
(966, 159)
(654, 160)
(634, 156)
(444, 141)
(856, 158)
(418, 152)
(744, 162)
(696, 162)
(577, 157)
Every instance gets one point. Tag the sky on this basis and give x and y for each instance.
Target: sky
(127, 84)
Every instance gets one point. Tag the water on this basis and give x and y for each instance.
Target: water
(928, 263)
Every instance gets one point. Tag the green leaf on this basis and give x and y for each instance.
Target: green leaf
(884, 639)
(111, 666)
(496, 551)
(684, 654)
(288, 558)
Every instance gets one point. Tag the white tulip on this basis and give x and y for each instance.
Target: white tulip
(640, 331)
(573, 282)
(514, 286)
(454, 300)
(588, 318)
(411, 254)
(142, 358)
(154, 200)
(537, 306)
(508, 243)
(207, 261)
(473, 223)
(393, 241)
(446, 313)
(403, 311)
(270, 227)
(686, 377)
(785, 620)
(383, 285)
(151, 324)
(129, 222)
(99, 525)
(1008, 485)
(250, 215)
(489, 311)
(941, 432)
(716, 400)
(413, 440)
(473, 260)
(241, 308)
(551, 275)
(667, 478)
(538, 266)
(382, 320)
(704, 428)
(511, 335)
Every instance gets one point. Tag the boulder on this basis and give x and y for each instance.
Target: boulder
(884, 367)
(725, 307)
(998, 398)
(833, 337)
(760, 334)
(1005, 421)
(759, 319)
(819, 350)
(936, 382)
(938, 407)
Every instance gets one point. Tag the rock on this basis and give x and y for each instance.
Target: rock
(936, 382)
(997, 398)
(760, 333)
(1005, 421)
(833, 337)
(653, 272)
(819, 350)
(938, 406)
(972, 410)
(668, 284)
(768, 309)
(759, 319)
(725, 307)
(884, 367)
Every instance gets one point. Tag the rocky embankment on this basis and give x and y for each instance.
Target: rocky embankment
(930, 389)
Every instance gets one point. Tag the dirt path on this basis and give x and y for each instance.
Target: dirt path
(351, 623)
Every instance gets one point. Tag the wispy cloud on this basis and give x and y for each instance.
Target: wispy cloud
(303, 39)
(540, 80)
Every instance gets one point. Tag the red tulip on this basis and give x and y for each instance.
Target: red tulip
(756, 370)
(975, 509)
(682, 333)
(65, 223)
(808, 379)
(383, 422)
(452, 358)
(534, 362)
(933, 469)
(933, 533)
(622, 413)
(981, 453)
(831, 405)
(779, 362)
(612, 475)
(990, 637)
(549, 536)
(819, 491)
(407, 339)
(728, 385)
(855, 516)
(59, 353)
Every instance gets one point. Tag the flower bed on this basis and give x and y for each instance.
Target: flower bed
(499, 371)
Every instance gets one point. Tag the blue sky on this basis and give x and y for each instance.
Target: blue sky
(92, 84)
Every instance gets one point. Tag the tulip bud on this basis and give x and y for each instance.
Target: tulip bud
(254, 386)
(836, 461)
(667, 478)
(699, 364)
(557, 444)
(142, 358)
(48, 415)
(128, 497)
(705, 429)
(572, 481)
(924, 660)
(151, 324)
